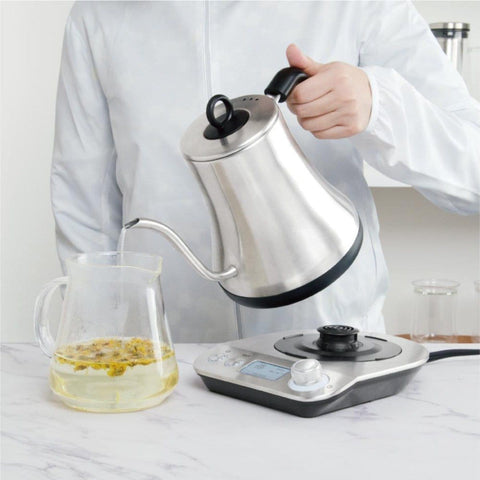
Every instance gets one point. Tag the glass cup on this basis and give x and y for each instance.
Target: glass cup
(112, 351)
(434, 318)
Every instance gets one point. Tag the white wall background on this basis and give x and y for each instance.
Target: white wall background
(32, 35)
(419, 240)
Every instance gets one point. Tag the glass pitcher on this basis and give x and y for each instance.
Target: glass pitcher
(113, 351)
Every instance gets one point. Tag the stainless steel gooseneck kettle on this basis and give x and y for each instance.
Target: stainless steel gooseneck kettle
(281, 232)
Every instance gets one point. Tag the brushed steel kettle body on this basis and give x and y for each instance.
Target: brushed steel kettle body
(281, 232)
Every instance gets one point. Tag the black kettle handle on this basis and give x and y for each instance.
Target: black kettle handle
(284, 82)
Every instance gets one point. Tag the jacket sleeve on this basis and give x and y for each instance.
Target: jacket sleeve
(86, 200)
(424, 128)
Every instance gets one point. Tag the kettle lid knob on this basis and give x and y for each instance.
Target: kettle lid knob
(225, 124)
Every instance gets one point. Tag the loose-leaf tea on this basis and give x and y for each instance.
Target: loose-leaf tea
(114, 374)
(112, 354)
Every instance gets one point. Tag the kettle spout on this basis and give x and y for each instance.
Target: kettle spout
(180, 245)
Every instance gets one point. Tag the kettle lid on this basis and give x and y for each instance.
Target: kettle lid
(229, 125)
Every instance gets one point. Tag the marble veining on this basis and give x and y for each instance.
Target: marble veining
(430, 430)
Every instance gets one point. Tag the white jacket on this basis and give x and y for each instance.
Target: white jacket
(134, 75)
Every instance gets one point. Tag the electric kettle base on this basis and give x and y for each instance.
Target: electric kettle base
(365, 392)
(254, 370)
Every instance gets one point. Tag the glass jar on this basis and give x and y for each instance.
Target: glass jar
(434, 316)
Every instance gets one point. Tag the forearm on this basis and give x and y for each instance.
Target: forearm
(412, 140)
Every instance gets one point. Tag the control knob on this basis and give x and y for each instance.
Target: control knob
(307, 376)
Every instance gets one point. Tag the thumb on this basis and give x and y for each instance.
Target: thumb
(297, 59)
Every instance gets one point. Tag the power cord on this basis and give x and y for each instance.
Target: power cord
(455, 352)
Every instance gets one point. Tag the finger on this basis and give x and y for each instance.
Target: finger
(296, 58)
(334, 133)
(322, 122)
(326, 104)
(314, 87)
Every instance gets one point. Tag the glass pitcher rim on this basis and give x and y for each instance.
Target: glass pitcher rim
(75, 260)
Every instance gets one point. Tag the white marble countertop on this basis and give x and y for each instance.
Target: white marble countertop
(430, 430)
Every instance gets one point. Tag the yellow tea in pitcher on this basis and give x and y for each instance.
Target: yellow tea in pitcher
(113, 374)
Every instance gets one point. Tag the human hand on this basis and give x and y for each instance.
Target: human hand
(335, 102)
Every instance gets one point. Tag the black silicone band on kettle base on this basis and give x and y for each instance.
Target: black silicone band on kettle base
(284, 82)
(305, 291)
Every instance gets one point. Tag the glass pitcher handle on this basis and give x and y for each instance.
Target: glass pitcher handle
(41, 323)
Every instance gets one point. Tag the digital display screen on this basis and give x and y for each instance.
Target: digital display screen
(265, 370)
